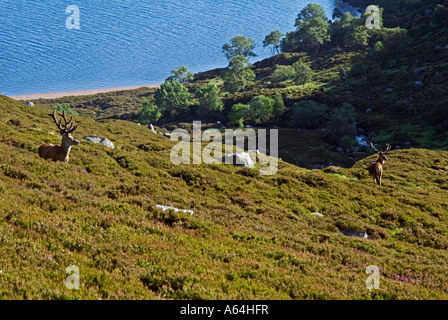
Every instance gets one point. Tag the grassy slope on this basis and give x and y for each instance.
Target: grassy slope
(250, 236)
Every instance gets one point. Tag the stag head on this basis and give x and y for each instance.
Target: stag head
(382, 154)
(65, 129)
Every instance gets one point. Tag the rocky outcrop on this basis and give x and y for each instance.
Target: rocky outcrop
(103, 141)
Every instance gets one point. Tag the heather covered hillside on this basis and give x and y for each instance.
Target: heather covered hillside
(250, 236)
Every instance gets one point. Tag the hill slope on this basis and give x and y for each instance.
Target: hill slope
(250, 237)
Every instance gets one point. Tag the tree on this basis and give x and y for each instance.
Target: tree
(148, 113)
(239, 46)
(308, 114)
(273, 39)
(341, 123)
(304, 73)
(239, 113)
(395, 41)
(358, 38)
(209, 100)
(283, 73)
(342, 27)
(261, 108)
(313, 34)
(311, 11)
(66, 108)
(312, 28)
(172, 97)
(279, 105)
(181, 74)
(238, 74)
(337, 13)
(290, 43)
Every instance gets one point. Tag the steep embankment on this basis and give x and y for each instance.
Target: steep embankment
(250, 236)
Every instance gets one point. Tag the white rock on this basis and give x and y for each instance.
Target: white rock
(164, 208)
(103, 141)
(239, 159)
(29, 103)
(317, 214)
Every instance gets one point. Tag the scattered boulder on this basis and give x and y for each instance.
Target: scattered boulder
(369, 110)
(389, 90)
(428, 12)
(418, 84)
(418, 70)
(242, 159)
(167, 135)
(437, 75)
(397, 147)
(103, 141)
(152, 128)
(340, 150)
(360, 234)
(29, 103)
(164, 208)
(317, 214)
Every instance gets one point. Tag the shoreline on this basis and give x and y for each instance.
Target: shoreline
(56, 95)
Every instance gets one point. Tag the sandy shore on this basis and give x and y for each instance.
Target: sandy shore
(56, 95)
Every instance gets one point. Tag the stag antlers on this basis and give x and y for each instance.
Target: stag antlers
(68, 124)
(376, 168)
(382, 152)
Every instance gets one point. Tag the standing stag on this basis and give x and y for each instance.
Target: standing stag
(376, 167)
(60, 153)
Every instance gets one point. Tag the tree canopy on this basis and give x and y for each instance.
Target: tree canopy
(209, 100)
(149, 113)
(239, 46)
(238, 74)
(273, 39)
(311, 11)
(181, 74)
(172, 97)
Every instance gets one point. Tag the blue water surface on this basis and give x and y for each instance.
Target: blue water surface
(127, 42)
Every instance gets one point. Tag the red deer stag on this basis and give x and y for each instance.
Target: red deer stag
(60, 153)
(376, 167)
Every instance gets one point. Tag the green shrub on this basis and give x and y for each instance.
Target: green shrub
(308, 114)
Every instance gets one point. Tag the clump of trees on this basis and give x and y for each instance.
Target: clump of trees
(172, 98)
(299, 72)
(341, 127)
(149, 113)
(181, 74)
(209, 100)
(308, 114)
(238, 74)
(259, 110)
(312, 31)
(274, 40)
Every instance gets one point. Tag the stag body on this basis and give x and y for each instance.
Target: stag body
(376, 167)
(62, 152)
